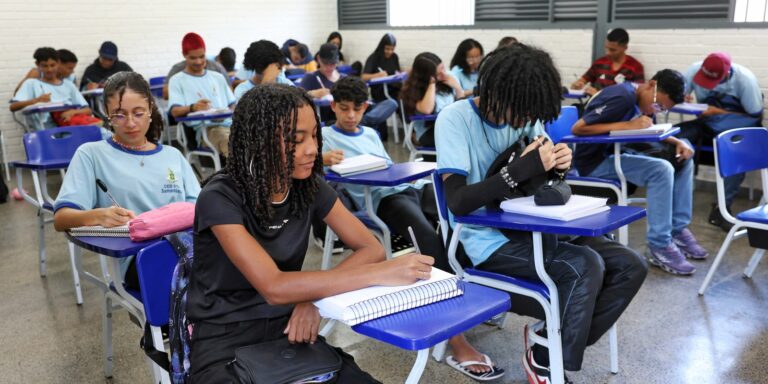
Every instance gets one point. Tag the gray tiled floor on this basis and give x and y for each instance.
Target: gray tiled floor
(668, 335)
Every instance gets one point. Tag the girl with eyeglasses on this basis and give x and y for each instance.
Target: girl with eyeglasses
(140, 173)
(465, 63)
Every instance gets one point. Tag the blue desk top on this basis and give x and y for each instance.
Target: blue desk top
(423, 327)
(574, 95)
(606, 139)
(431, 117)
(49, 164)
(390, 177)
(111, 246)
(215, 116)
(48, 108)
(396, 78)
(681, 108)
(594, 225)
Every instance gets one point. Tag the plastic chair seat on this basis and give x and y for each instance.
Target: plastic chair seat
(755, 215)
(525, 283)
(613, 182)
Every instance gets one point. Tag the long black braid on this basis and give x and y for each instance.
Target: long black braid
(519, 84)
(264, 121)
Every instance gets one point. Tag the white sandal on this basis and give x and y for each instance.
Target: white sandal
(493, 374)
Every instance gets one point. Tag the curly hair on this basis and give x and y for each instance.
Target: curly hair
(519, 84)
(424, 69)
(460, 57)
(261, 148)
(672, 83)
(44, 54)
(118, 83)
(350, 88)
(261, 54)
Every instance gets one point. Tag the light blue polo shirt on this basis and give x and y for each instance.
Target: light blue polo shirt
(467, 145)
(365, 141)
(742, 84)
(442, 100)
(247, 85)
(166, 177)
(66, 92)
(185, 89)
(467, 82)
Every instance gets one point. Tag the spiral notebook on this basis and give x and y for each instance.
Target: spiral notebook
(99, 231)
(370, 303)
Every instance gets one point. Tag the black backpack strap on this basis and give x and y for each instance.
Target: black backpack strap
(160, 358)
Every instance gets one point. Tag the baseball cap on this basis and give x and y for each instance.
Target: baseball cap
(328, 53)
(713, 70)
(108, 50)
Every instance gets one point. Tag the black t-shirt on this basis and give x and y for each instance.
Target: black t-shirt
(95, 73)
(218, 291)
(374, 64)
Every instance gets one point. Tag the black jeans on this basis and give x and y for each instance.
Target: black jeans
(417, 209)
(596, 280)
(213, 346)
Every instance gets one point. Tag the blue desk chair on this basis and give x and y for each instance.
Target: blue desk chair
(543, 291)
(417, 150)
(738, 151)
(51, 149)
(156, 86)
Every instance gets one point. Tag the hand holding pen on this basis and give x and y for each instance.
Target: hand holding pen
(112, 216)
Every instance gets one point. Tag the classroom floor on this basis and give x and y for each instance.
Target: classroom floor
(668, 334)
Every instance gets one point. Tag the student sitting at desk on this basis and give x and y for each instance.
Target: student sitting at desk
(518, 88)
(298, 57)
(251, 235)
(465, 62)
(210, 65)
(335, 39)
(428, 90)
(262, 64)
(381, 63)
(139, 171)
(227, 58)
(198, 89)
(669, 186)
(410, 204)
(49, 88)
(106, 65)
(615, 67)
(65, 70)
(735, 101)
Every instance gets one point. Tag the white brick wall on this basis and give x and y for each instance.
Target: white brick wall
(147, 33)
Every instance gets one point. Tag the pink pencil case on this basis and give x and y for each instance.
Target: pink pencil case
(159, 222)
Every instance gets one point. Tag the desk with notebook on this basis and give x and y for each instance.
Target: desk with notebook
(45, 108)
(394, 175)
(577, 94)
(95, 100)
(693, 109)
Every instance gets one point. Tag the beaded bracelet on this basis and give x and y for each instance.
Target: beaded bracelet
(507, 178)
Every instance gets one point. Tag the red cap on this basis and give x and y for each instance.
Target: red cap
(191, 41)
(713, 70)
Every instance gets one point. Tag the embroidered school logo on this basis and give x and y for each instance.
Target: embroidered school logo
(600, 110)
(619, 79)
(171, 176)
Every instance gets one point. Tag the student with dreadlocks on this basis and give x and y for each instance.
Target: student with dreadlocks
(251, 233)
(518, 88)
(141, 173)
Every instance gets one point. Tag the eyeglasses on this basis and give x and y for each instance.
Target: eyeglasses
(121, 119)
(657, 107)
(474, 59)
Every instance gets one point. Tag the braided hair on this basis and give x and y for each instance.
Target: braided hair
(118, 83)
(261, 147)
(519, 84)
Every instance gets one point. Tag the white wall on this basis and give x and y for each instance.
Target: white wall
(147, 33)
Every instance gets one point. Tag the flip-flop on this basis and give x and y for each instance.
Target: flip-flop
(493, 374)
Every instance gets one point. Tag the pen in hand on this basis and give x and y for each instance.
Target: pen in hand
(413, 240)
(103, 187)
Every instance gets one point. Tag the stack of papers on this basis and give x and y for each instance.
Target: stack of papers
(359, 164)
(652, 130)
(577, 207)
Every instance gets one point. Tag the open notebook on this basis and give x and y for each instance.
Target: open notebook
(693, 106)
(99, 231)
(43, 105)
(577, 207)
(652, 130)
(210, 112)
(370, 303)
(359, 164)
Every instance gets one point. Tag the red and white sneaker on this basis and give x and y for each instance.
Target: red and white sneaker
(535, 373)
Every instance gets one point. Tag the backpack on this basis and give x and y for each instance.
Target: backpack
(179, 327)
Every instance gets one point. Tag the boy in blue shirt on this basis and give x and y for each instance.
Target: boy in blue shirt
(66, 68)
(669, 192)
(262, 64)
(399, 207)
(197, 89)
(735, 101)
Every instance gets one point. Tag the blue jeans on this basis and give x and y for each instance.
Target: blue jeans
(669, 194)
(379, 113)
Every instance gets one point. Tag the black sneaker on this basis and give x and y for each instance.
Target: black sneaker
(716, 219)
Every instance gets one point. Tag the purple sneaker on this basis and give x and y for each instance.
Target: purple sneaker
(670, 259)
(689, 246)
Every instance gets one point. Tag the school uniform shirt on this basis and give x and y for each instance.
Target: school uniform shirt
(365, 141)
(247, 74)
(65, 92)
(374, 64)
(185, 89)
(209, 64)
(442, 100)
(247, 85)
(218, 291)
(467, 82)
(71, 77)
(316, 80)
(613, 104)
(467, 145)
(95, 73)
(166, 177)
(741, 84)
(601, 73)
